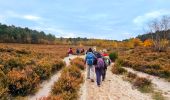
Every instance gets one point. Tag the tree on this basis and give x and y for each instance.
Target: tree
(159, 27)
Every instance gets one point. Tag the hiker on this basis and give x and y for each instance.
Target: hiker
(107, 62)
(77, 51)
(99, 68)
(70, 52)
(89, 59)
(82, 50)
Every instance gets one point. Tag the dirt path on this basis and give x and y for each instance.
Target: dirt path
(159, 84)
(46, 85)
(113, 88)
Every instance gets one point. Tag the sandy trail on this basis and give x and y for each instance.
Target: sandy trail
(45, 89)
(113, 88)
(159, 83)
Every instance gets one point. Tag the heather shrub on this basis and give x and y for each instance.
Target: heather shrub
(143, 84)
(117, 69)
(57, 65)
(79, 62)
(43, 70)
(23, 51)
(164, 73)
(4, 95)
(22, 82)
(131, 75)
(24, 67)
(148, 61)
(12, 63)
(58, 97)
(68, 84)
(140, 81)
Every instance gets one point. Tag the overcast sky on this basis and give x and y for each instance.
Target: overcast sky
(106, 19)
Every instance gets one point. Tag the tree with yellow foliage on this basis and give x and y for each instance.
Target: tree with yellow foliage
(148, 43)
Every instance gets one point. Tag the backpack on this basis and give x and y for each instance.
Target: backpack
(106, 61)
(90, 58)
(97, 55)
(100, 63)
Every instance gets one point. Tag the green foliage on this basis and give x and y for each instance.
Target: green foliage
(12, 34)
(113, 56)
(153, 35)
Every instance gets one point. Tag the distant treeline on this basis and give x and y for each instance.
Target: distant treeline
(12, 34)
(161, 34)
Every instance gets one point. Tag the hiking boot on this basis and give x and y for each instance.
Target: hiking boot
(92, 80)
(102, 79)
(98, 85)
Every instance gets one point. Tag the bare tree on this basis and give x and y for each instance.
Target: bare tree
(158, 29)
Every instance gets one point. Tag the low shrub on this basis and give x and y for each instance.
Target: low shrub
(43, 70)
(22, 82)
(68, 84)
(4, 95)
(113, 56)
(140, 81)
(57, 65)
(23, 51)
(79, 62)
(164, 73)
(117, 69)
(148, 61)
(158, 96)
(12, 63)
(131, 75)
(58, 97)
(143, 84)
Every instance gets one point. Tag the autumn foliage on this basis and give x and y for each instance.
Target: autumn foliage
(79, 62)
(146, 60)
(67, 87)
(23, 67)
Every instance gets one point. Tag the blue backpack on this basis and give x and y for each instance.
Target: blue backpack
(90, 58)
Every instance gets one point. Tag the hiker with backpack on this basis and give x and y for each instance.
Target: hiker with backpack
(89, 60)
(107, 62)
(70, 52)
(99, 68)
(77, 51)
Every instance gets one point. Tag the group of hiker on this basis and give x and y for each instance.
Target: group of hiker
(96, 62)
(78, 51)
